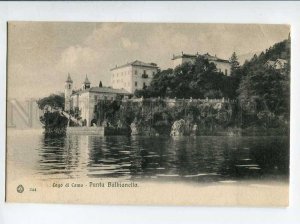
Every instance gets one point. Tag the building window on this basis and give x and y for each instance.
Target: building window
(225, 71)
(69, 86)
(135, 72)
(135, 83)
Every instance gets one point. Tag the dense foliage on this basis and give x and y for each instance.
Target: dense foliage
(54, 100)
(54, 123)
(263, 91)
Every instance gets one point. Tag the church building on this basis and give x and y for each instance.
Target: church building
(86, 98)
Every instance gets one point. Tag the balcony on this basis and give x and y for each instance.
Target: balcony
(145, 76)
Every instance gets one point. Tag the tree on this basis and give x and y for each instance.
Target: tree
(234, 62)
(100, 84)
(267, 89)
(54, 100)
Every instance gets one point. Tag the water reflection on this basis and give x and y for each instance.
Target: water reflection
(202, 159)
(56, 156)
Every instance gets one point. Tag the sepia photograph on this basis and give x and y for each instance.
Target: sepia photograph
(148, 113)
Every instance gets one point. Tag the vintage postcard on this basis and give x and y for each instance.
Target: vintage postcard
(148, 113)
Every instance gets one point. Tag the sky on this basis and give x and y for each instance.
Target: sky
(41, 54)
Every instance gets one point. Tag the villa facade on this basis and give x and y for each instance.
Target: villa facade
(222, 65)
(133, 76)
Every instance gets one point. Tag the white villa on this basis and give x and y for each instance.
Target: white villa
(221, 64)
(278, 64)
(133, 76)
(87, 97)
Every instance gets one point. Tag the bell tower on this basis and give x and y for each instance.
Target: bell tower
(68, 92)
(86, 84)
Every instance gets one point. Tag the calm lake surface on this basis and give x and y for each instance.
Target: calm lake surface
(199, 159)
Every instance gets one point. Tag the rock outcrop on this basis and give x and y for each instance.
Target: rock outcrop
(178, 128)
(134, 128)
(194, 130)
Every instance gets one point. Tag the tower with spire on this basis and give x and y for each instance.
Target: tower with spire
(86, 84)
(68, 92)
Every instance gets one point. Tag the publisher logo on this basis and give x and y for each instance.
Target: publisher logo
(20, 188)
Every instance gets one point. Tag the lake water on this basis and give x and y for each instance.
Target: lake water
(198, 159)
